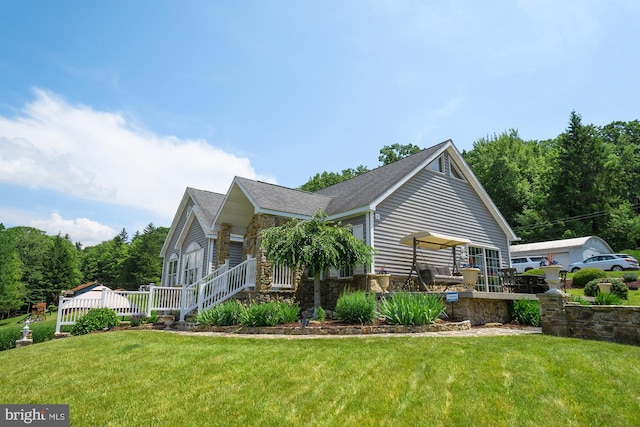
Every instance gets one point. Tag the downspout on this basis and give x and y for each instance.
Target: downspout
(370, 224)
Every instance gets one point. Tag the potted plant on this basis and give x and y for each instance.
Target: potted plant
(604, 286)
(470, 273)
(551, 273)
(381, 277)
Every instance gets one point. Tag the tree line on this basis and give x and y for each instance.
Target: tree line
(585, 181)
(36, 267)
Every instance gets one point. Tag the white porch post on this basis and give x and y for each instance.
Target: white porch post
(151, 291)
(63, 301)
(183, 303)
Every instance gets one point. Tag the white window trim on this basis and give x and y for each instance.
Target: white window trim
(193, 256)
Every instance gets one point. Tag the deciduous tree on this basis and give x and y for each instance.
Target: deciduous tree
(317, 244)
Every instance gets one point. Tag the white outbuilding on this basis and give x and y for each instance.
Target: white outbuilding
(565, 251)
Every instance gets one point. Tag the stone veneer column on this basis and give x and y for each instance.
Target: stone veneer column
(223, 242)
(552, 314)
(258, 223)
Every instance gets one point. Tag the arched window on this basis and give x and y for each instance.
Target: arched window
(192, 264)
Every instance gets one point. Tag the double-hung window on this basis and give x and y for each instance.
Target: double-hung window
(192, 271)
(172, 271)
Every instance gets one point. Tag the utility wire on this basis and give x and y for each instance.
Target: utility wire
(569, 219)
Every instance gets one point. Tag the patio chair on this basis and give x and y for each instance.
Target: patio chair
(437, 275)
(38, 311)
(508, 279)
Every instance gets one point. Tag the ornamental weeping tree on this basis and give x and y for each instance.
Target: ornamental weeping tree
(317, 244)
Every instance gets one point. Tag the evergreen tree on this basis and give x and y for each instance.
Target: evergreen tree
(143, 264)
(578, 185)
(62, 267)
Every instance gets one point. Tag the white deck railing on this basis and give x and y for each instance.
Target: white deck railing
(190, 293)
(123, 303)
(283, 277)
(223, 286)
(213, 289)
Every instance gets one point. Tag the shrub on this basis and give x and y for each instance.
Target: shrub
(225, 314)
(356, 307)
(526, 312)
(591, 289)
(584, 276)
(403, 308)
(618, 288)
(608, 298)
(42, 332)
(95, 319)
(8, 338)
(629, 277)
(319, 314)
(269, 314)
(153, 318)
(580, 300)
(137, 319)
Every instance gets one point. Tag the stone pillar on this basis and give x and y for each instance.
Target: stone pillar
(252, 247)
(552, 314)
(223, 242)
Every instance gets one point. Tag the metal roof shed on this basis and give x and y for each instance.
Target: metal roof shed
(566, 251)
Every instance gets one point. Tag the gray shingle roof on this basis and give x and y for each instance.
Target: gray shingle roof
(282, 199)
(207, 204)
(364, 189)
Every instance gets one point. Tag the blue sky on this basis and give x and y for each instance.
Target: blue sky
(108, 110)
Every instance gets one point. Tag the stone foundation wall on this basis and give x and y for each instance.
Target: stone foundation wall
(330, 290)
(479, 311)
(613, 323)
(262, 296)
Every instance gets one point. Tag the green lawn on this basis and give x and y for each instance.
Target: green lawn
(146, 378)
(634, 296)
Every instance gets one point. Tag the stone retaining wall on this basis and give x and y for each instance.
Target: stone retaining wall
(613, 323)
(340, 329)
(479, 308)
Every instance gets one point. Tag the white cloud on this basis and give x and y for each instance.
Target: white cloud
(83, 230)
(101, 156)
(80, 229)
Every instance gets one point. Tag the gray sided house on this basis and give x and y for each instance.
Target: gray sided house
(432, 190)
(189, 251)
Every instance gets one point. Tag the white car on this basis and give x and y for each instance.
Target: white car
(525, 263)
(614, 262)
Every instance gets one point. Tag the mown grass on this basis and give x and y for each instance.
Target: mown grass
(147, 378)
(634, 296)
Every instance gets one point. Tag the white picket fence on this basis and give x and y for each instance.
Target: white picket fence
(211, 290)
